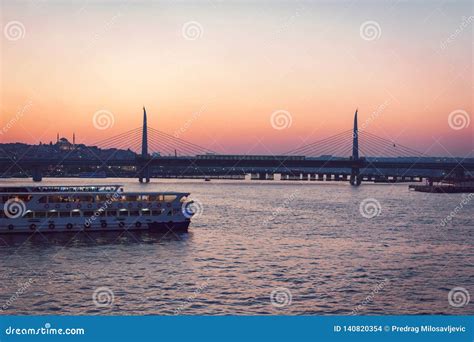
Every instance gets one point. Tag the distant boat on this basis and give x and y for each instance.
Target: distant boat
(207, 179)
(97, 174)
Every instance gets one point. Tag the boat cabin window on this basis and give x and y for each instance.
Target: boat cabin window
(54, 199)
(130, 198)
(24, 198)
(85, 198)
(134, 213)
(157, 212)
(28, 214)
(52, 214)
(40, 214)
(123, 212)
(75, 213)
(146, 212)
(88, 213)
(170, 198)
(111, 213)
(64, 214)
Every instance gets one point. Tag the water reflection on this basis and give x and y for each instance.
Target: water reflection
(14, 241)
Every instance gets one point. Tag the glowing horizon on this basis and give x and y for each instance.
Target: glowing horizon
(215, 74)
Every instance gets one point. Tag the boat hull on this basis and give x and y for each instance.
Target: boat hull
(164, 227)
(153, 226)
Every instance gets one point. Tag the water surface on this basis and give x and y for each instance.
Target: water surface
(303, 240)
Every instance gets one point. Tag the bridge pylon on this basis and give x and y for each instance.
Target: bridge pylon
(355, 179)
(144, 173)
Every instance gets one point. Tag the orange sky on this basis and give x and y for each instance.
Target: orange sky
(249, 60)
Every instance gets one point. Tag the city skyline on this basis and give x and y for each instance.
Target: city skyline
(215, 75)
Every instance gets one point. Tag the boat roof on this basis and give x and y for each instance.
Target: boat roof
(82, 189)
(60, 188)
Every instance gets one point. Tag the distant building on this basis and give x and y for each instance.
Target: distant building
(64, 145)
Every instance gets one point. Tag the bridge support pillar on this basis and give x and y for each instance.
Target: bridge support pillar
(294, 177)
(144, 175)
(36, 174)
(145, 169)
(355, 179)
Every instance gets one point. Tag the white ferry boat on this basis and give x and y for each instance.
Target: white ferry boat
(48, 209)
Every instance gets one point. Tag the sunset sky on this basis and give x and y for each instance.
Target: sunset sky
(215, 71)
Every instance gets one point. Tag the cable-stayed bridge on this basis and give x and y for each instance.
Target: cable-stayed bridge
(353, 155)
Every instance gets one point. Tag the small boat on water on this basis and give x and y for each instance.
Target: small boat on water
(47, 209)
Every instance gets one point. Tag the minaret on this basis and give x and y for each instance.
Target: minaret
(74, 140)
(57, 138)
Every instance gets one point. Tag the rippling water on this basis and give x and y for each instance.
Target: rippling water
(305, 247)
